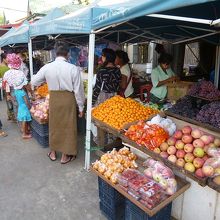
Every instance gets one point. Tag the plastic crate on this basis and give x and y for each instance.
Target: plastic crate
(132, 212)
(116, 212)
(41, 129)
(112, 203)
(108, 194)
(42, 140)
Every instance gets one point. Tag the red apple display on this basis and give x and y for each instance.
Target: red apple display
(188, 148)
(179, 145)
(171, 141)
(186, 130)
(172, 158)
(180, 153)
(157, 150)
(198, 152)
(164, 146)
(211, 138)
(164, 154)
(208, 171)
(180, 162)
(189, 167)
(196, 133)
(198, 143)
(189, 157)
(205, 139)
(178, 134)
(199, 173)
(198, 162)
(171, 150)
(187, 139)
(217, 142)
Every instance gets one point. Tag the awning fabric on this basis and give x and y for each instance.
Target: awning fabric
(21, 34)
(15, 35)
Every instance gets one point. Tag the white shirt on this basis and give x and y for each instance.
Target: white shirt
(126, 71)
(24, 68)
(61, 75)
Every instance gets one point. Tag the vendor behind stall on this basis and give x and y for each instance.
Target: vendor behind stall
(160, 77)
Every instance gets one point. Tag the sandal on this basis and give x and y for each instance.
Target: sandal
(3, 134)
(27, 136)
(70, 158)
(52, 159)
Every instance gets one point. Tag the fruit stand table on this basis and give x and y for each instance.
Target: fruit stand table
(183, 185)
(202, 199)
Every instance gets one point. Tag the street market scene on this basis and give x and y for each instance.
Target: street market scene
(110, 109)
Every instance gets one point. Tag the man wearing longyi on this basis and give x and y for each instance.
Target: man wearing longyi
(66, 90)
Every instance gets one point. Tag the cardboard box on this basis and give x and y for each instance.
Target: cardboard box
(177, 90)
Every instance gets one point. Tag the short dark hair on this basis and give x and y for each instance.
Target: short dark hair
(109, 54)
(123, 56)
(62, 49)
(3, 56)
(165, 58)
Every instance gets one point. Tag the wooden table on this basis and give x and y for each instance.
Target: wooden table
(183, 185)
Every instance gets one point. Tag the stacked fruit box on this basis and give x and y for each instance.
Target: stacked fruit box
(40, 132)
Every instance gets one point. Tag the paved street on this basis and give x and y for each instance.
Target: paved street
(33, 187)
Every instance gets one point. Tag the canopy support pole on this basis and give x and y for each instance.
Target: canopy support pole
(89, 100)
(30, 54)
(217, 66)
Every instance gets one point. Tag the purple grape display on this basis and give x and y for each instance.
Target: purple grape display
(210, 114)
(187, 107)
(204, 89)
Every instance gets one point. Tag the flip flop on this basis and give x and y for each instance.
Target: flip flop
(3, 134)
(49, 155)
(70, 158)
(27, 136)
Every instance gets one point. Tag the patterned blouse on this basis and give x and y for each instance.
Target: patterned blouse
(107, 80)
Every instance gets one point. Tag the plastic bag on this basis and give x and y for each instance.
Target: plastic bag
(211, 167)
(213, 152)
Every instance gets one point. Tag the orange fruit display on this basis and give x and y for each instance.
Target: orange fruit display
(42, 90)
(118, 111)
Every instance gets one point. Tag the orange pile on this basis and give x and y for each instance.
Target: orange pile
(118, 111)
(43, 90)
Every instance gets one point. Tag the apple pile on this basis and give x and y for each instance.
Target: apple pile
(187, 148)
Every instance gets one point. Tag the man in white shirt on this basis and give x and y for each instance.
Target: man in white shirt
(66, 90)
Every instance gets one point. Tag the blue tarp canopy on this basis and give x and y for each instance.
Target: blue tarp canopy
(16, 35)
(21, 34)
(131, 9)
(78, 22)
(131, 24)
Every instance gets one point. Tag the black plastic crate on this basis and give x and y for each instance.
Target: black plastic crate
(109, 194)
(116, 212)
(132, 212)
(112, 203)
(41, 129)
(42, 140)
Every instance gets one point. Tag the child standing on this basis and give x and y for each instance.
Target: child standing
(18, 82)
(23, 115)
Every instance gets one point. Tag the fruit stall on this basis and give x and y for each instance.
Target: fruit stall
(40, 115)
(185, 139)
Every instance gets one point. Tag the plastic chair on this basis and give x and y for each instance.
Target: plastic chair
(145, 89)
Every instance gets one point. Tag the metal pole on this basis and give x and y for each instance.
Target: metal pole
(217, 66)
(30, 54)
(89, 100)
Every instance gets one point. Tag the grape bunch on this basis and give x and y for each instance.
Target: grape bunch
(187, 107)
(210, 114)
(204, 89)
